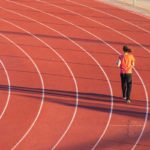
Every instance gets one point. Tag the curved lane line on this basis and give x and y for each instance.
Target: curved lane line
(42, 82)
(147, 111)
(146, 117)
(111, 15)
(76, 87)
(144, 86)
(90, 56)
(9, 90)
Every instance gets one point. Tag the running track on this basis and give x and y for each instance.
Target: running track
(59, 86)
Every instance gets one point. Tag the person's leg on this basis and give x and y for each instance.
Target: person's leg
(129, 85)
(123, 85)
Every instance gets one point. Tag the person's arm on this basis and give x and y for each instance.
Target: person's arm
(118, 63)
(133, 63)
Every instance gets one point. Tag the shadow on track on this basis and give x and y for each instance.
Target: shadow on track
(92, 101)
(78, 39)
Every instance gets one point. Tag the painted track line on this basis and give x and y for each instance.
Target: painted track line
(124, 35)
(95, 22)
(147, 106)
(9, 90)
(140, 79)
(147, 110)
(42, 82)
(146, 95)
(111, 91)
(75, 82)
(86, 53)
(144, 86)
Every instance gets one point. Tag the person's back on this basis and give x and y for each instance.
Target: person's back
(126, 63)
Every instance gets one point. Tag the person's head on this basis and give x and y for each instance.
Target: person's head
(126, 49)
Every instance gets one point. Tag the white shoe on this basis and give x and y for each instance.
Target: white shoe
(128, 101)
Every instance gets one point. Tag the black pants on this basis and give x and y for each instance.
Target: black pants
(126, 84)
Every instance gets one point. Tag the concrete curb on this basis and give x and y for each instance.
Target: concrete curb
(142, 6)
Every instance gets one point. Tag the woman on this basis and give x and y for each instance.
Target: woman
(126, 63)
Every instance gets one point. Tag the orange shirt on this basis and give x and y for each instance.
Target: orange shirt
(127, 61)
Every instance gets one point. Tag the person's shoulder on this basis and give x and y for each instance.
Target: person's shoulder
(132, 56)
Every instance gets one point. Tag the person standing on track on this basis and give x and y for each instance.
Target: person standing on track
(126, 63)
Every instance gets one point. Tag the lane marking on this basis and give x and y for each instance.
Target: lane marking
(146, 94)
(75, 82)
(9, 90)
(42, 82)
(102, 24)
(147, 110)
(84, 51)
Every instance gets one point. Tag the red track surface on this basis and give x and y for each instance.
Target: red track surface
(59, 57)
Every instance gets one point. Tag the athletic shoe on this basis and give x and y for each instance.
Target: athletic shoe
(128, 101)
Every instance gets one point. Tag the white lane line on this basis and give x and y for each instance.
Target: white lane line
(102, 24)
(75, 82)
(42, 82)
(122, 34)
(9, 90)
(141, 80)
(111, 92)
(147, 111)
(147, 105)
(144, 86)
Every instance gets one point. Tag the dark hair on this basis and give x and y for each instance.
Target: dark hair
(126, 49)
